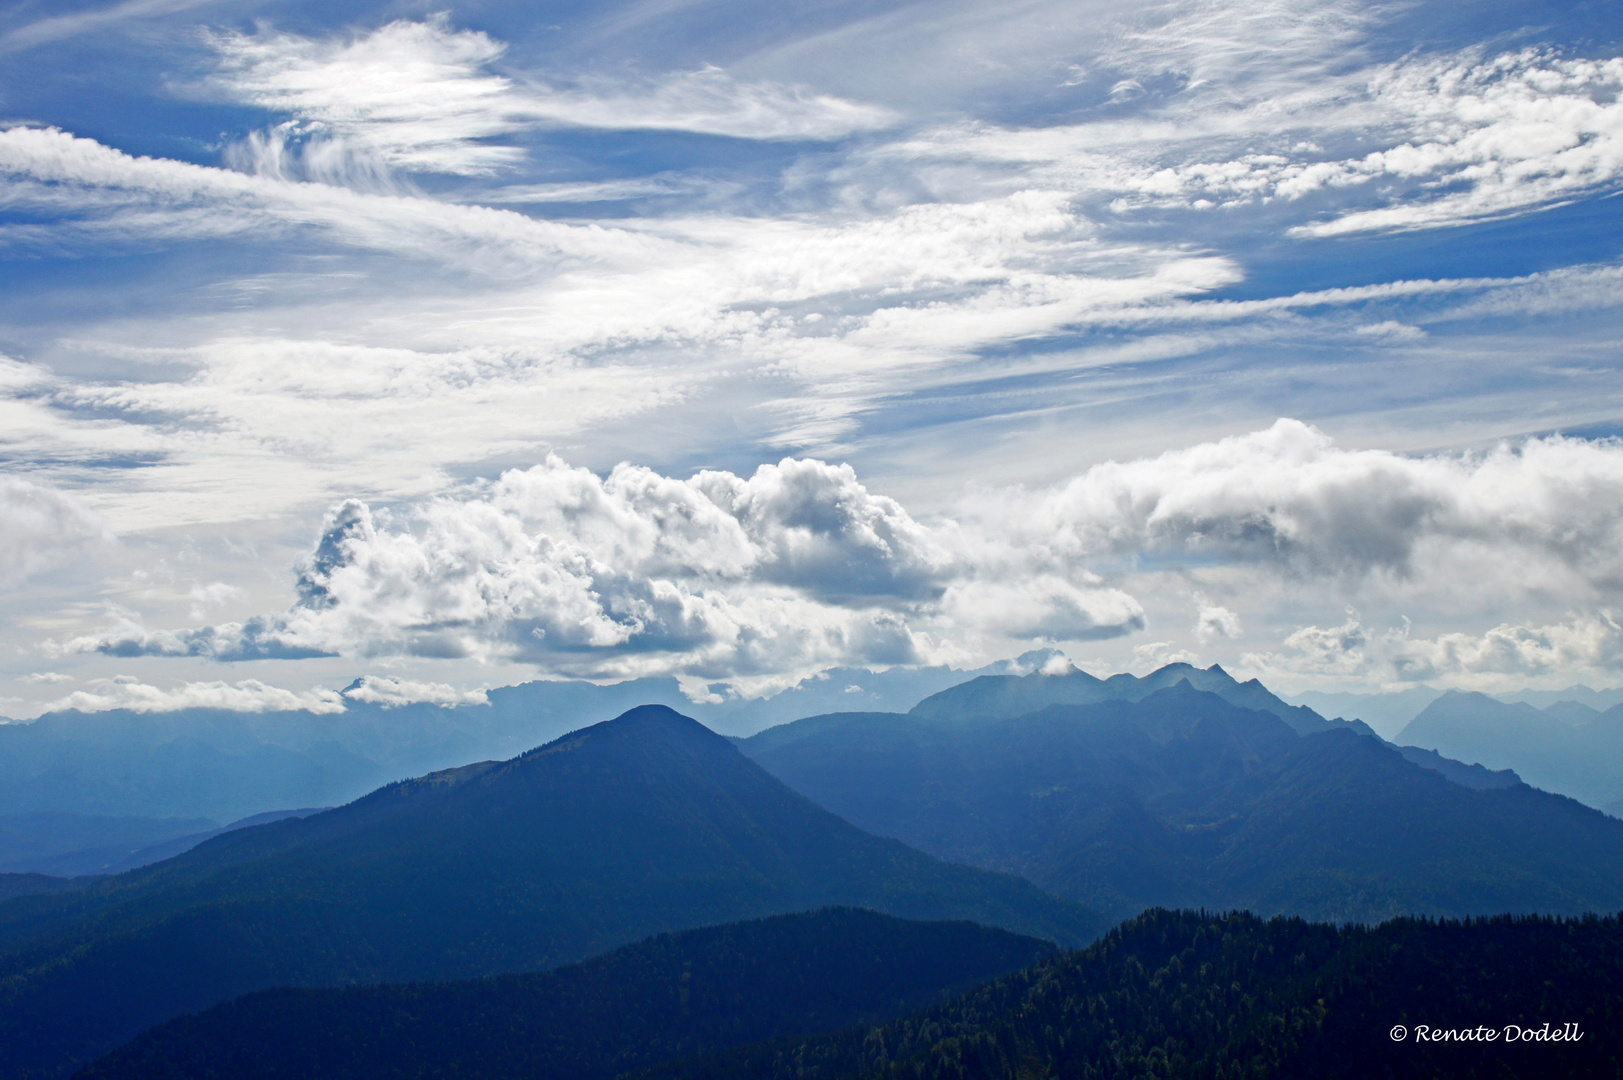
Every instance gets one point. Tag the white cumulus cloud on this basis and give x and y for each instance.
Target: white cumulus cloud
(391, 692)
(759, 581)
(765, 578)
(1289, 496)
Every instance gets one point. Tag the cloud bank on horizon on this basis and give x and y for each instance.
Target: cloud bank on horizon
(447, 347)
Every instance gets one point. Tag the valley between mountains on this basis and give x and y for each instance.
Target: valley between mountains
(928, 893)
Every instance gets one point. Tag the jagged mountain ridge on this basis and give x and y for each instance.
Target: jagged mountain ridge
(1185, 799)
(1003, 696)
(640, 825)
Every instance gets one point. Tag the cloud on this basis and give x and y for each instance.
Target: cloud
(1419, 143)
(1215, 621)
(1158, 654)
(57, 27)
(391, 692)
(41, 528)
(418, 97)
(1289, 497)
(1045, 607)
(1584, 645)
(758, 581)
(104, 195)
(249, 695)
(410, 96)
(799, 566)
(205, 596)
(710, 101)
(563, 327)
(1501, 135)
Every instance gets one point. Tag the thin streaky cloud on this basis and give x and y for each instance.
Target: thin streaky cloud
(59, 27)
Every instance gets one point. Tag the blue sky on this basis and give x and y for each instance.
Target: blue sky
(450, 346)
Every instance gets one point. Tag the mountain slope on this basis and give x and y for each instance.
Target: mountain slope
(1183, 799)
(1186, 995)
(632, 827)
(1566, 747)
(673, 996)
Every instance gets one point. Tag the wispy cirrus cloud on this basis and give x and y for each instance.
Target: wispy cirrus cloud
(101, 195)
(57, 27)
(1435, 141)
(419, 97)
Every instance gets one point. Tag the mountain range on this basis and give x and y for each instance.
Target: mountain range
(631, 827)
(1177, 796)
(1046, 805)
(79, 791)
(83, 792)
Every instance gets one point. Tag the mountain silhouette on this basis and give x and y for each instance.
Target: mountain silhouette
(1182, 799)
(666, 998)
(640, 825)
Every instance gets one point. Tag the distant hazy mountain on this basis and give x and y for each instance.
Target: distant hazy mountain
(1567, 747)
(71, 845)
(1385, 713)
(221, 766)
(1389, 713)
(1184, 799)
(1599, 700)
(671, 997)
(1186, 995)
(67, 844)
(639, 825)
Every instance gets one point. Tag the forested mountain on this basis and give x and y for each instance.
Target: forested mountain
(35, 884)
(1182, 995)
(670, 997)
(1567, 746)
(1184, 799)
(639, 825)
